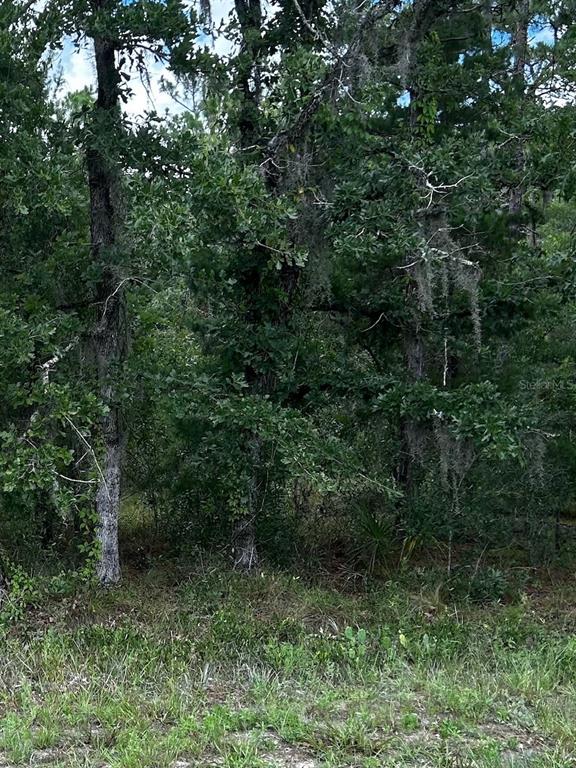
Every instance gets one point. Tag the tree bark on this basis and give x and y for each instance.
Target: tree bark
(245, 550)
(411, 433)
(110, 331)
(3, 584)
(249, 12)
(244, 535)
(520, 48)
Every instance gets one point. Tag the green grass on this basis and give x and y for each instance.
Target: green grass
(177, 670)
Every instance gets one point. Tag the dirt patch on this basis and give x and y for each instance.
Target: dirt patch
(526, 741)
(284, 755)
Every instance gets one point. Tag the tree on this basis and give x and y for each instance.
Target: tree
(44, 404)
(110, 332)
(120, 35)
(340, 271)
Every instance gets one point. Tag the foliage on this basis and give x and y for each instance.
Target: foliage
(268, 668)
(348, 272)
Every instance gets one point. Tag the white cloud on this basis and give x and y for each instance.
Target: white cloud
(74, 69)
(77, 69)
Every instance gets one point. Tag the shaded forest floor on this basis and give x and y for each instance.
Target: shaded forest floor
(176, 669)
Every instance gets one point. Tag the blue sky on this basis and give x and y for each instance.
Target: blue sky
(538, 33)
(78, 72)
(77, 68)
(76, 65)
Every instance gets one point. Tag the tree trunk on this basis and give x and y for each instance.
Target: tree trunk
(519, 83)
(249, 13)
(109, 351)
(107, 505)
(425, 13)
(244, 536)
(244, 541)
(411, 433)
(110, 331)
(3, 584)
(250, 18)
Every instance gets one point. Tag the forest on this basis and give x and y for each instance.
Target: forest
(288, 383)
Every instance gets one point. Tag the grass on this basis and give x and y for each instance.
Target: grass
(175, 670)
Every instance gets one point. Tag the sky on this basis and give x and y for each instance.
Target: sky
(76, 68)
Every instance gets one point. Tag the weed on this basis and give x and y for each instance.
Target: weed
(272, 672)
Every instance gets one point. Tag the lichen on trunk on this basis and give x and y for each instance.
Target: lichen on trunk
(107, 505)
(244, 548)
(244, 543)
(109, 335)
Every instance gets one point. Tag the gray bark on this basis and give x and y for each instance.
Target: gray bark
(250, 17)
(245, 551)
(244, 547)
(109, 335)
(108, 493)
(3, 587)
(107, 504)
(249, 13)
(244, 536)
(519, 82)
(412, 434)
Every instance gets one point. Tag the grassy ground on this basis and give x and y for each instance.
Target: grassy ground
(177, 670)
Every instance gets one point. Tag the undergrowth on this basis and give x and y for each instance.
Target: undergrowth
(178, 669)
